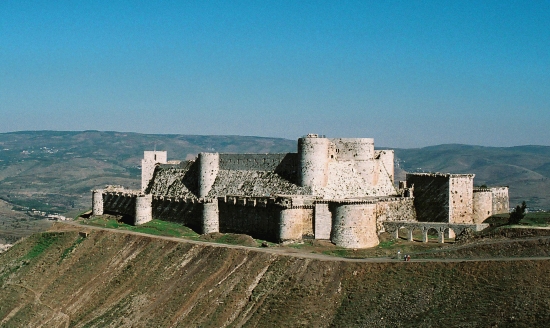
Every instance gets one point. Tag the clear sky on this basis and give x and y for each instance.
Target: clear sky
(407, 73)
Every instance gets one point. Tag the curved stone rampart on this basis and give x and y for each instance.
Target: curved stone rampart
(354, 225)
(209, 165)
(313, 154)
(144, 209)
(97, 202)
(210, 217)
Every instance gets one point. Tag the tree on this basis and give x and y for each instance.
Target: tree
(517, 214)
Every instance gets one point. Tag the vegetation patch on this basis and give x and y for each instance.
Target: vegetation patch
(154, 227)
(70, 249)
(45, 240)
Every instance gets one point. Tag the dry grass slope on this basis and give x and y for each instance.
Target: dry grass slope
(122, 280)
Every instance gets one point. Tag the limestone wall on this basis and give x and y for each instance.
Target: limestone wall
(181, 180)
(254, 219)
(254, 183)
(143, 211)
(461, 191)
(483, 205)
(354, 225)
(322, 221)
(501, 200)
(394, 209)
(208, 171)
(148, 163)
(210, 217)
(97, 202)
(186, 211)
(292, 222)
(313, 154)
(431, 196)
(119, 203)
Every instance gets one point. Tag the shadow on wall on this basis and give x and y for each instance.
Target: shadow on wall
(289, 168)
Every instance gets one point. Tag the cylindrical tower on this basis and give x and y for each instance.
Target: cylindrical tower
(361, 148)
(354, 225)
(144, 209)
(290, 224)
(209, 165)
(210, 217)
(313, 153)
(97, 202)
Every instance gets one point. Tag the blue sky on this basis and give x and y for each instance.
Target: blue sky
(407, 73)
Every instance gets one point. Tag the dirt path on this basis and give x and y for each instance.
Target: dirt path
(321, 257)
(55, 313)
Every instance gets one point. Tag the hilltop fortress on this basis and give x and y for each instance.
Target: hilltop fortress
(338, 189)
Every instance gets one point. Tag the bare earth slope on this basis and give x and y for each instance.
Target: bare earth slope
(118, 279)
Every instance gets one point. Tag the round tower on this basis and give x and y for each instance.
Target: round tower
(313, 153)
(97, 202)
(144, 209)
(209, 165)
(354, 225)
(362, 148)
(210, 217)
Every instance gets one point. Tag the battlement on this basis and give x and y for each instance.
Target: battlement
(340, 189)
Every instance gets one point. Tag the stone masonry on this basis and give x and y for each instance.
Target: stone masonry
(339, 189)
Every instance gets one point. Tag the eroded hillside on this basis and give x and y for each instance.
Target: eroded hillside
(113, 279)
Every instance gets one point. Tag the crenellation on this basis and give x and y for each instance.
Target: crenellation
(340, 189)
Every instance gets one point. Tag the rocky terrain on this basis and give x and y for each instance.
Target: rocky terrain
(121, 279)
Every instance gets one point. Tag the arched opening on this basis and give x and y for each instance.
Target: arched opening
(450, 233)
(431, 235)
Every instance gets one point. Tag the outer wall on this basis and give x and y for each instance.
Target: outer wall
(431, 197)
(354, 225)
(313, 153)
(483, 205)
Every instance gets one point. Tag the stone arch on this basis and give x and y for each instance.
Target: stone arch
(450, 233)
(429, 231)
(411, 232)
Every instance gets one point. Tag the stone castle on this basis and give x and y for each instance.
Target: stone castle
(341, 190)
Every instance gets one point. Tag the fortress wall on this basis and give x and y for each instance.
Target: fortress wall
(117, 203)
(148, 163)
(431, 196)
(385, 164)
(97, 202)
(354, 225)
(143, 212)
(394, 209)
(313, 153)
(322, 219)
(208, 171)
(260, 222)
(187, 212)
(352, 149)
(296, 223)
(210, 217)
(254, 183)
(501, 200)
(256, 162)
(461, 189)
(483, 205)
(171, 180)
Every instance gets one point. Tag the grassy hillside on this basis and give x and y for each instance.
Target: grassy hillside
(113, 279)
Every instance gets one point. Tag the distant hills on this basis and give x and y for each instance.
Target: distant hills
(54, 171)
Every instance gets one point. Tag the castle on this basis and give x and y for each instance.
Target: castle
(338, 189)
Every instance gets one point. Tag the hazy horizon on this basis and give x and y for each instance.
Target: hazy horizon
(408, 74)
